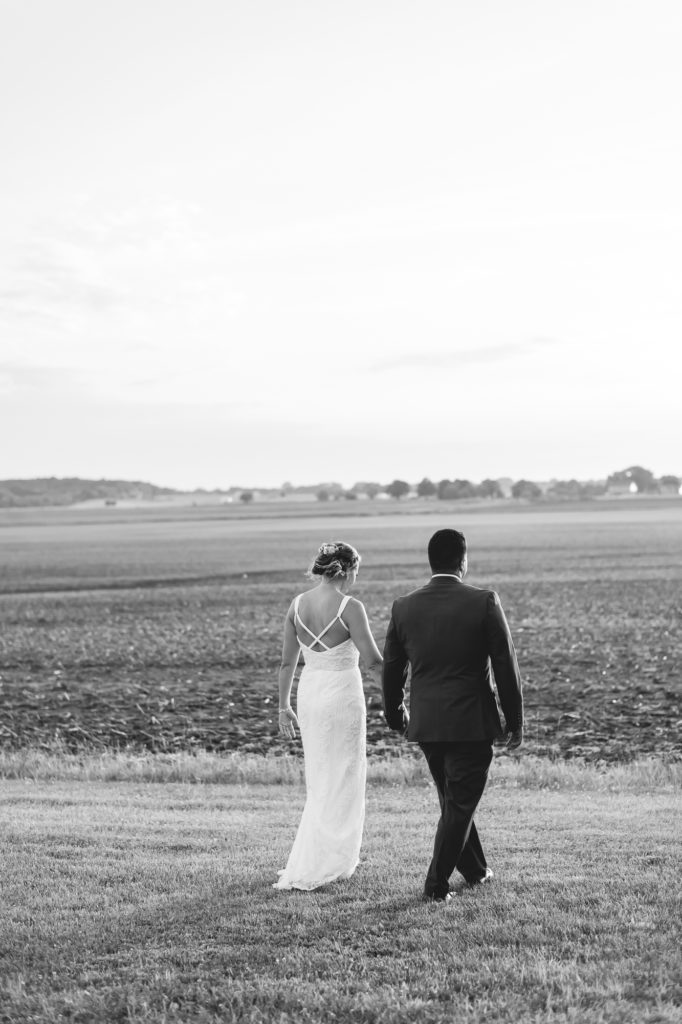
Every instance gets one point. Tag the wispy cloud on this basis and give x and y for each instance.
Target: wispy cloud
(123, 302)
(91, 264)
(19, 379)
(458, 358)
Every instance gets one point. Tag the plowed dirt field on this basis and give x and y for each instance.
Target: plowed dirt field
(165, 633)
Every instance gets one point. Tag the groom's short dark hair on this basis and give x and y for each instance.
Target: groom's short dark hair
(446, 550)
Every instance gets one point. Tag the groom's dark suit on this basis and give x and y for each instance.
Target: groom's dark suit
(450, 634)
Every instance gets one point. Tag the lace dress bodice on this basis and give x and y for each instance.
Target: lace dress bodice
(336, 659)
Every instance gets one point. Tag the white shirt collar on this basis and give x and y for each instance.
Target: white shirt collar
(450, 575)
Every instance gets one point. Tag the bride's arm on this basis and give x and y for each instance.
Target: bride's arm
(290, 654)
(355, 617)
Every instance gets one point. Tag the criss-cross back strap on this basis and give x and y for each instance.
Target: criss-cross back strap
(318, 639)
(343, 604)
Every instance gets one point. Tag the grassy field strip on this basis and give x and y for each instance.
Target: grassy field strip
(72, 525)
(137, 902)
(134, 552)
(409, 768)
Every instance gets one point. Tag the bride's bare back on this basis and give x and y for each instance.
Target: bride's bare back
(317, 616)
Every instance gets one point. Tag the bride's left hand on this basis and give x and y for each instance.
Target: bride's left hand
(287, 723)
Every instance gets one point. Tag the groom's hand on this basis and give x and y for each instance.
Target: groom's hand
(406, 722)
(515, 739)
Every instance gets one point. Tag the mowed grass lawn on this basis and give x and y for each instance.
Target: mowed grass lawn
(133, 901)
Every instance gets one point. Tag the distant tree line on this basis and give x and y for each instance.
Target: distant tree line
(46, 491)
(70, 491)
(633, 480)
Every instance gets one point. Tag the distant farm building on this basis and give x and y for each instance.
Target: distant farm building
(621, 487)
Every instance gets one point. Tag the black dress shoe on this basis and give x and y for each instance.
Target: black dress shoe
(434, 898)
(465, 886)
(487, 877)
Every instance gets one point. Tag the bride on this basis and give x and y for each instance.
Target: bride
(332, 631)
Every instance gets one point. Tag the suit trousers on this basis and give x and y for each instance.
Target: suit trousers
(460, 772)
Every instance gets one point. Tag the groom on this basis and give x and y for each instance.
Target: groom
(450, 634)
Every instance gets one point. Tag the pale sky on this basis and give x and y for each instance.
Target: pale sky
(249, 241)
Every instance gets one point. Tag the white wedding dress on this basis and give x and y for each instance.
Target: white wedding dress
(331, 714)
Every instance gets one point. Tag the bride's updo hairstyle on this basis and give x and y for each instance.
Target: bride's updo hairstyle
(334, 560)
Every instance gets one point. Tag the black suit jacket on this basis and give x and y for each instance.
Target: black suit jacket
(450, 634)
